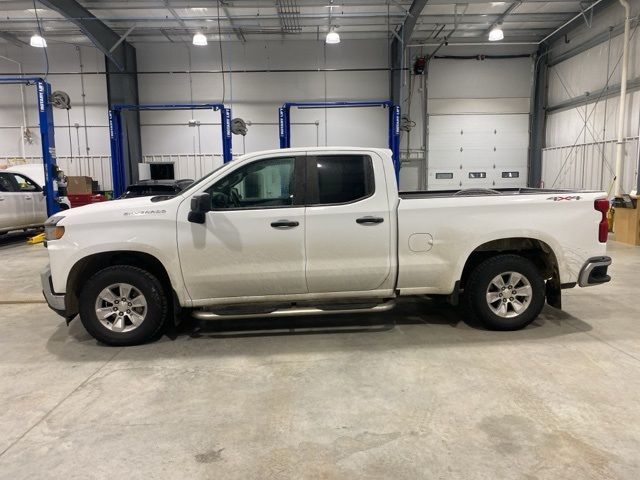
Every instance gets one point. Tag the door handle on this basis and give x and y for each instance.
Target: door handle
(369, 220)
(284, 224)
(28, 197)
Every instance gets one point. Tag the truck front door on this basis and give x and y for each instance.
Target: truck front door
(252, 242)
(348, 224)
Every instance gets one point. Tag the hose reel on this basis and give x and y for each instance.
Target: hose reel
(60, 99)
(239, 127)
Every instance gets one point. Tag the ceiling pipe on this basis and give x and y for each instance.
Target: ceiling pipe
(469, 44)
(623, 95)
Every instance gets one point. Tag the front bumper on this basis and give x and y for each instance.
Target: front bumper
(594, 272)
(54, 300)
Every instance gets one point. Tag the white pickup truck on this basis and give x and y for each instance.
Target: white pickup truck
(318, 230)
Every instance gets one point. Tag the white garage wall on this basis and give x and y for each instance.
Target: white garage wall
(479, 96)
(256, 96)
(62, 58)
(253, 96)
(591, 162)
(478, 124)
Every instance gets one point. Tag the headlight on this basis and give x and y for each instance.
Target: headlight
(51, 229)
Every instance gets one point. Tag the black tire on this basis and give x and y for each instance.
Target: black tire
(156, 305)
(480, 280)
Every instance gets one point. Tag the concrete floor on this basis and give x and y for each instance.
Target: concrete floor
(415, 393)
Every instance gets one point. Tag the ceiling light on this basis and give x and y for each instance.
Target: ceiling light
(496, 34)
(38, 41)
(199, 39)
(332, 38)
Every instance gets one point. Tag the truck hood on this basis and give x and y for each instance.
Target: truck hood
(129, 207)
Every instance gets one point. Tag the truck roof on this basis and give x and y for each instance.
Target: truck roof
(384, 151)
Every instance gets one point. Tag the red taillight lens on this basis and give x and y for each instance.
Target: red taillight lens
(602, 205)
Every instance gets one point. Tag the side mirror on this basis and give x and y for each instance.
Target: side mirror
(200, 205)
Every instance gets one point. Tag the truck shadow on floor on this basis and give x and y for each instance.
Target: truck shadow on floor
(415, 311)
(414, 323)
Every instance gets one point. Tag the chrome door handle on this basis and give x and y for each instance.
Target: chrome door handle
(284, 224)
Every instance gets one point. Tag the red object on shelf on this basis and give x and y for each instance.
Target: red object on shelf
(80, 199)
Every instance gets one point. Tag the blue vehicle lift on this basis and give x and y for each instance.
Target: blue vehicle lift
(45, 116)
(284, 122)
(115, 134)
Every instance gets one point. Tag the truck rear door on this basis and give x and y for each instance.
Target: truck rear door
(348, 224)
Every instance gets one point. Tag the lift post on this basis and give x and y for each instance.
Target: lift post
(47, 137)
(284, 122)
(115, 134)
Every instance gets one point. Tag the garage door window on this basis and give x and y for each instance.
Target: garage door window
(342, 179)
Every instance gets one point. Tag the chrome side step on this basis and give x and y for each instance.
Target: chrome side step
(292, 312)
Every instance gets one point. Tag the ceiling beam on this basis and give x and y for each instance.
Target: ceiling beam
(237, 30)
(396, 16)
(142, 5)
(504, 15)
(11, 38)
(398, 42)
(100, 34)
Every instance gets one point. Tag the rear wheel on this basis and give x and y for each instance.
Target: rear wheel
(123, 305)
(505, 292)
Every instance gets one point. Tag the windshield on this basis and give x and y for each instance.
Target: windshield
(207, 176)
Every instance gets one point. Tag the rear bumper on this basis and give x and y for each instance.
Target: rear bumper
(54, 300)
(594, 272)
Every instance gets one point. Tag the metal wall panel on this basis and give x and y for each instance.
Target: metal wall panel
(589, 166)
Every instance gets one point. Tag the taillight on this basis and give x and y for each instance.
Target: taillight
(602, 205)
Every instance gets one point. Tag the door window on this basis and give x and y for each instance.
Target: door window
(262, 184)
(24, 184)
(342, 179)
(5, 183)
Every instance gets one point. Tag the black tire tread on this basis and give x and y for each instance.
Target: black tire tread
(476, 286)
(87, 308)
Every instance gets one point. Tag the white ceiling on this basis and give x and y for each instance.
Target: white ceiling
(528, 21)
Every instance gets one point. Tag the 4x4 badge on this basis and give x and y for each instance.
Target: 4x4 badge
(567, 197)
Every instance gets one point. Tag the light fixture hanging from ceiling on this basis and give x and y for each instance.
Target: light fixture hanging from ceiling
(199, 39)
(496, 33)
(332, 37)
(38, 41)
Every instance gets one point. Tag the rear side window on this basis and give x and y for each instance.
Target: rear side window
(343, 178)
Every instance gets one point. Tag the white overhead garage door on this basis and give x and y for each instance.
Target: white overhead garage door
(478, 151)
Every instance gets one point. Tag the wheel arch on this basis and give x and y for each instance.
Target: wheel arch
(84, 268)
(537, 251)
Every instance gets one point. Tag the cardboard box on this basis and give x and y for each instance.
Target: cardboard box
(626, 225)
(79, 185)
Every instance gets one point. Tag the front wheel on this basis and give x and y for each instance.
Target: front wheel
(123, 305)
(505, 292)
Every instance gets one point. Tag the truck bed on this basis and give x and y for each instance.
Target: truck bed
(480, 192)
